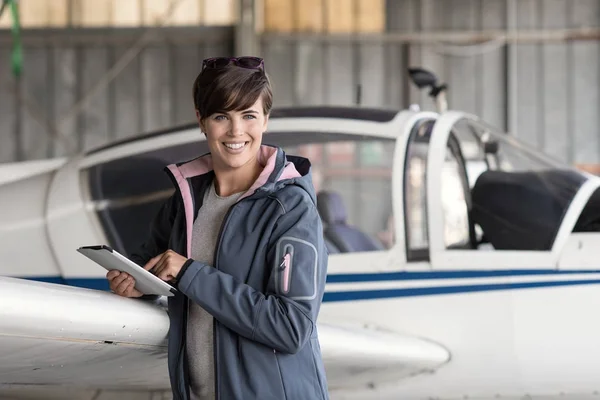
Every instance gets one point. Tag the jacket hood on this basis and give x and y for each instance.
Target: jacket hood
(278, 171)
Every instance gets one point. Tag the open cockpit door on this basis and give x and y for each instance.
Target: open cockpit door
(488, 191)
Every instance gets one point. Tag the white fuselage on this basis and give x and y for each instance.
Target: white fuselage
(514, 322)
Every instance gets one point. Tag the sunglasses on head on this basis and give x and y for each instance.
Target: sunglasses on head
(243, 62)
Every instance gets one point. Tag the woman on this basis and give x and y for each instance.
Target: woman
(242, 241)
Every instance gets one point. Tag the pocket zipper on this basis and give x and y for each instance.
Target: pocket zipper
(286, 268)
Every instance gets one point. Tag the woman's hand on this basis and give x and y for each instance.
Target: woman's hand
(122, 284)
(166, 265)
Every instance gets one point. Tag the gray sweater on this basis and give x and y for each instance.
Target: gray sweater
(200, 323)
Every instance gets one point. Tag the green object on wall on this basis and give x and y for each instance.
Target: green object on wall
(16, 58)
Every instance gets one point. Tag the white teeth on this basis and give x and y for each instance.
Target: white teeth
(235, 146)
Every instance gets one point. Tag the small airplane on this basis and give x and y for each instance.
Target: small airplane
(463, 263)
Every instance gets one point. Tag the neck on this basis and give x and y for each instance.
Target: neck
(235, 180)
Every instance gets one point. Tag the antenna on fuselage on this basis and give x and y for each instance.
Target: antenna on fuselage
(425, 79)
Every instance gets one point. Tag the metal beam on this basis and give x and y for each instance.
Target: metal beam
(90, 37)
(449, 37)
(246, 39)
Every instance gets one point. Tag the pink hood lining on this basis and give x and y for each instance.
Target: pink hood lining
(267, 157)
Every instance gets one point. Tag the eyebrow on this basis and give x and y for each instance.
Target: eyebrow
(250, 111)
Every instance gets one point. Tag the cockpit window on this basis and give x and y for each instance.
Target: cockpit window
(127, 193)
(351, 173)
(518, 195)
(415, 192)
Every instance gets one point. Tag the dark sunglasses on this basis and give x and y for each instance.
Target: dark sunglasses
(243, 62)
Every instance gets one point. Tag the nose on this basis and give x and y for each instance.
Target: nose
(236, 127)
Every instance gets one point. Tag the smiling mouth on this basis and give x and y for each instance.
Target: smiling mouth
(235, 146)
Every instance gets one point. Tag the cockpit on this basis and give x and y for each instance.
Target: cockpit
(475, 188)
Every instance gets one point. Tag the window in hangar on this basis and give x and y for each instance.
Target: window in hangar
(352, 170)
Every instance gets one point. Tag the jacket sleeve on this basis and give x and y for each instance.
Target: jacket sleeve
(283, 318)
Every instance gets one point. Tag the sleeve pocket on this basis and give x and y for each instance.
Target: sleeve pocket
(296, 269)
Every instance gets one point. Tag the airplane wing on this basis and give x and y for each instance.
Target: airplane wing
(61, 335)
(19, 170)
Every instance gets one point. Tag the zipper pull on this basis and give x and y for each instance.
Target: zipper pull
(285, 262)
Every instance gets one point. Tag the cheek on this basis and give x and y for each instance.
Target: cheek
(214, 132)
(256, 130)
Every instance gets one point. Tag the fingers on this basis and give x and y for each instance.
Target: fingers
(169, 265)
(161, 264)
(153, 261)
(113, 273)
(166, 274)
(122, 287)
(117, 279)
(131, 291)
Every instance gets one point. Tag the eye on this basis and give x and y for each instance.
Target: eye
(250, 116)
(219, 117)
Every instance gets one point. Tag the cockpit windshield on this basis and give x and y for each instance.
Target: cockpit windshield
(518, 196)
(486, 148)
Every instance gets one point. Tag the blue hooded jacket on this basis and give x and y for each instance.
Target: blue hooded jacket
(264, 288)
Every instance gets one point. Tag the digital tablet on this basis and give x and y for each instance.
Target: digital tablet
(145, 281)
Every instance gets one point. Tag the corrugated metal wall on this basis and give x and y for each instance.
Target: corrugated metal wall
(151, 91)
(547, 92)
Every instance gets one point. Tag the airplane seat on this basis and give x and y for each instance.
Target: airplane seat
(589, 220)
(522, 210)
(346, 238)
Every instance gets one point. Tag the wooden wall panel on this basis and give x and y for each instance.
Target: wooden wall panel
(153, 11)
(278, 16)
(219, 13)
(58, 13)
(340, 15)
(311, 16)
(126, 13)
(370, 16)
(94, 13)
(187, 13)
(5, 20)
(39, 13)
(308, 16)
(34, 13)
(333, 16)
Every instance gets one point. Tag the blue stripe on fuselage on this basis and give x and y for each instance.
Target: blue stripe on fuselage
(454, 274)
(351, 295)
(444, 290)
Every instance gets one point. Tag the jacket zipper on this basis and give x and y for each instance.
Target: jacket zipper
(216, 266)
(215, 333)
(285, 268)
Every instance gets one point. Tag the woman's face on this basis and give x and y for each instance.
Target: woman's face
(234, 137)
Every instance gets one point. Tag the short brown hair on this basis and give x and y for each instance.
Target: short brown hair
(231, 88)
